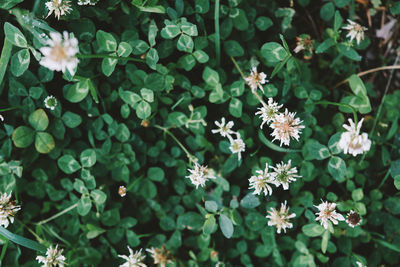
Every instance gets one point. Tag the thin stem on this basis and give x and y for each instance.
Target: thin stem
(3, 251)
(58, 214)
(10, 108)
(243, 76)
(378, 114)
(134, 182)
(384, 179)
(217, 36)
(41, 241)
(188, 154)
(340, 105)
(394, 67)
(109, 56)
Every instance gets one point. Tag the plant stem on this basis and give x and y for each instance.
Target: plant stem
(134, 182)
(108, 56)
(3, 251)
(217, 36)
(58, 214)
(243, 76)
(10, 108)
(340, 105)
(384, 179)
(188, 154)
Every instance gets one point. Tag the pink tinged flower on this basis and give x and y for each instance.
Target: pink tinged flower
(280, 218)
(122, 191)
(53, 258)
(199, 175)
(284, 174)
(352, 142)
(355, 31)
(326, 212)
(255, 80)
(267, 113)
(7, 209)
(223, 129)
(60, 54)
(260, 182)
(285, 127)
(133, 259)
(161, 256)
(353, 219)
(59, 7)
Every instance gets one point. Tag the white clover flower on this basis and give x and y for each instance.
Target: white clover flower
(280, 218)
(286, 126)
(256, 80)
(304, 42)
(160, 256)
(355, 31)
(353, 219)
(351, 141)
(50, 102)
(237, 145)
(134, 259)
(284, 174)
(59, 7)
(223, 129)
(7, 209)
(268, 113)
(53, 258)
(1, 118)
(122, 191)
(87, 2)
(199, 175)
(60, 54)
(261, 181)
(327, 212)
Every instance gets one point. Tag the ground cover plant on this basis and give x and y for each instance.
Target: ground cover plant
(199, 133)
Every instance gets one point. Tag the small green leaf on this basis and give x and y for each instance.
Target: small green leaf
(152, 58)
(338, 21)
(337, 168)
(357, 195)
(325, 240)
(129, 97)
(123, 134)
(263, 23)
(44, 142)
(210, 225)
(233, 48)
(14, 35)
(88, 158)
(273, 52)
(147, 94)
(139, 47)
(170, 30)
(152, 9)
(99, 197)
(210, 76)
(143, 110)
(333, 143)
(39, 120)
(250, 201)
(77, 92)
(325, 45)
(349, 52)
(23, 136)
(68, 164)
(226, 225)
(124, 49)
(155, 174)
(211, 206)
(20, 62)
(152, 33)
(327, 11)
(312, 229)
(235, 107)
(84, 205)
(185, 43)
(201, 56)
(108, 65)
(106, 41)
(71, 120)
(189, 28)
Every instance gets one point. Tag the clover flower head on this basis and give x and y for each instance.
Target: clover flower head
(260, 182)
(353, 219)
(267, 113)
(285, 127)
(326, 212)
(304, 43)
(351, 141)
(50, 102)
(284, 174)
(60, 54)
(355, 31)
(133, 259)
(7, 209)
(122, 191)
(237, 145)
(223, 128)
(280, 218)
(161, 256)
(255, 80)
(59, 7)
(87, 2)
(199, 175)
(53, 258)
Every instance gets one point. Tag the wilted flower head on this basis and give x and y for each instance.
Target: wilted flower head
(50, 102)
(133, 259)
(268, 113)
(237, 145)
(161, 256)
(199, 175)
(353, 219)
(256, 80)
(284, 174)
(223, 129)
(59, 7)
(326, 212)
(7, 209)
(304, 43)
(351, 141)
(261, 181)
(87, 2)
(280, 218)
(53, 258)
(122, 191)
(286, 126)
(60, 53)
(355, 31)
